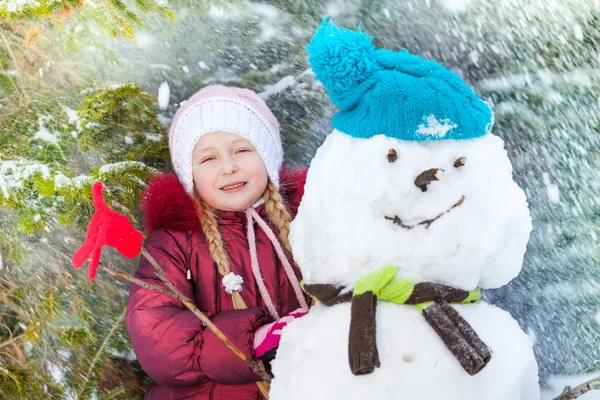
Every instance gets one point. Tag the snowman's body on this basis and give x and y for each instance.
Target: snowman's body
(312, 360)
(345, 229)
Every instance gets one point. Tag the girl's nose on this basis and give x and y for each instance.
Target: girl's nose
(229, 166)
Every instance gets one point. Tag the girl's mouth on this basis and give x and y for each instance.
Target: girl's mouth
(234, 187)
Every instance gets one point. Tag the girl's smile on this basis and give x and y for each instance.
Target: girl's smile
(229, 174)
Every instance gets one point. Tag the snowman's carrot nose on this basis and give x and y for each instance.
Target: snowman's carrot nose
(426, 177)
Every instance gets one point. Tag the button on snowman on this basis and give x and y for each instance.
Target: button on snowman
(409, 209)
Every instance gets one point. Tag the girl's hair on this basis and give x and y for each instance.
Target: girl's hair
(278, 215)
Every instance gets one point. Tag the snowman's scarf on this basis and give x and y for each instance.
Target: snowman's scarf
(432, 299)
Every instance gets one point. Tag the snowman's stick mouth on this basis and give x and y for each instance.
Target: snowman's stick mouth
(396, 220)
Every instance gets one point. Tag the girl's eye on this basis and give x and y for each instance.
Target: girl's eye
(243, 150)
(206, 159)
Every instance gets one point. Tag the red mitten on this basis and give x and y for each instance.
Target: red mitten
(106, 228)
(267, 337)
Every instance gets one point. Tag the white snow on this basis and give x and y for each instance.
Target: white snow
(185, 69)
(14, 172)
(14, 6)
(202, 65)
(578, 32)
(143, 40)
(43, 133)
(278, 67)
(153, 137)
(128, 140)
(551, 189)
(351, 188)
(312, 358)
(163, 96)
(360, 212)
(457, 6)
(60, 181)
(217, 12)
(56, 372)
(130, 355)
(120, 166)
(73, 117)
(280, 86)
(583, 77)
(433, 127)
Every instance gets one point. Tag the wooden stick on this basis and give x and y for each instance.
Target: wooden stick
(426, 177)
(573, 393)
(428, 222)
(86, 378)
(257, 366)
(396, 220)
(392, 155)
(460, 162)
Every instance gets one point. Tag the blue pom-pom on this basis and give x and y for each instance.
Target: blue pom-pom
(341, 58)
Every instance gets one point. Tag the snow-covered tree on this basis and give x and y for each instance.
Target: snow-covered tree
(80, 101)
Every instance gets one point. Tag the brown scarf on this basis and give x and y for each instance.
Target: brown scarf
(456, 333)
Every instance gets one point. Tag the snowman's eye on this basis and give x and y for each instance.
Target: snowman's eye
(392, 155)
(460, 162)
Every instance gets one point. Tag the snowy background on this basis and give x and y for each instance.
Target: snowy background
(534, 61)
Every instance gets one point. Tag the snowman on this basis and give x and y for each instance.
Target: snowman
(409, 210)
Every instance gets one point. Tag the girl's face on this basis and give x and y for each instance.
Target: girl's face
(228, 172)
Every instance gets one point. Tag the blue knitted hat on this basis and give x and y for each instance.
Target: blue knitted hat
(396, 94)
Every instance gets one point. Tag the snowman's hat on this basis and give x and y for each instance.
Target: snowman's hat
(397, 94)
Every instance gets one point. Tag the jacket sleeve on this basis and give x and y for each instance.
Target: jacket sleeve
(168, 339)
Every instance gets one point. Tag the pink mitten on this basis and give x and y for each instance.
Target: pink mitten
(267, 337)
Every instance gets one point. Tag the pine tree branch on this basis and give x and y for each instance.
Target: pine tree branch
(99, 352)
(570, 393)
(14, 60)
(12, 341)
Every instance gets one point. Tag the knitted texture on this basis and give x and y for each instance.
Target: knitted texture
(220, 108)
(397, 94)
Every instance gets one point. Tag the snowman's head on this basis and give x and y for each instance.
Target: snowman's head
(443, 211)
(410, 177)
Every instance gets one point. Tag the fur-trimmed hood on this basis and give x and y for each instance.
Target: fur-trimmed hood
(166, 204)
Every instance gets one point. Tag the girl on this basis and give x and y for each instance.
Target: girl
(211, 228)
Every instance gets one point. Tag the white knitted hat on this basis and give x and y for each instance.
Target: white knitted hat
(221, 108)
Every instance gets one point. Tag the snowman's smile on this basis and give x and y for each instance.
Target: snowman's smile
(427, 222)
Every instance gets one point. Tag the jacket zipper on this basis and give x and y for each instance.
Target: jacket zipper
(189, 239)
(211, 395)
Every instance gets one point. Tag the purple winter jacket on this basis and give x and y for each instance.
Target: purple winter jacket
(185, 360)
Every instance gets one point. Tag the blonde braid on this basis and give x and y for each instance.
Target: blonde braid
(278, 214)
(215, 244)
